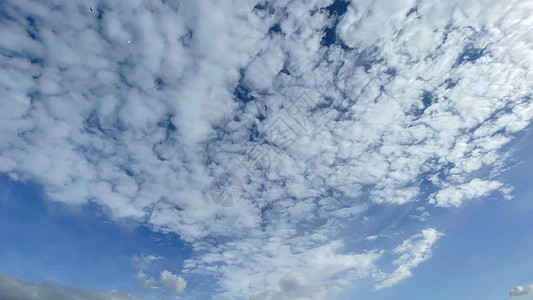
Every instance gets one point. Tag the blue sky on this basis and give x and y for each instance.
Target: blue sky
(484, 249)
(265, 150)
(42, 240)
(482, 254)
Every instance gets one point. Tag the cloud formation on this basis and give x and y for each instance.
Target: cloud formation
(167, 279)
(455, 195)
(522, 291)
(137, 105)
(142, 263)
(412, 252)
(15, 289)
(172, 281)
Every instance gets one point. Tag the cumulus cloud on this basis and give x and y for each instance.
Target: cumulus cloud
(172, 281)
(168, 280)
(413, 251)
(522, 290)
(146, 280)
(15, 289)
(399, 96)
(143, 263)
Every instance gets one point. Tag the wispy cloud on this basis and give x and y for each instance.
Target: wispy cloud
(412, 252)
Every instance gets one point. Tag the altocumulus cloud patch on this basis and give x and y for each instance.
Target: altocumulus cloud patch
(137, 106)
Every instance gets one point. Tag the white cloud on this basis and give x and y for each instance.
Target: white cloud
(173, 282)
(143, 263)
(522, 291)
(146, 280)
(413, 251)
(456, 195)
(140, 129)
(15, 289)
(260, 266)
(371, 237)
(168, 280)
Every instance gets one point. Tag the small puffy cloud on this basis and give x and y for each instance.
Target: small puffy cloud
(143, 263)
(456, 195)
(413, 252)
(15, 289)
(172, 281)
(522, 291)
(146, 280)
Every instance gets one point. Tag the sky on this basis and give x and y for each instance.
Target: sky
(261, 150)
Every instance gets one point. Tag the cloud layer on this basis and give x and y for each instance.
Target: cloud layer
(137, 105)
